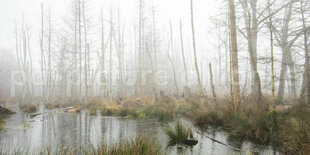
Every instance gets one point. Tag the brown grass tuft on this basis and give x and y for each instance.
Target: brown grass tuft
(29, 108)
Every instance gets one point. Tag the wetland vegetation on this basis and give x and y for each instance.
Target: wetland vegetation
(152, 77)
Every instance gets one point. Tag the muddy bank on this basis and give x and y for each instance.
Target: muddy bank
(5, 111)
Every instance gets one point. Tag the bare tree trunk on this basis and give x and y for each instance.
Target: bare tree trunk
(195, 56)
(184, 63)
(292, 75)
(251, 29)
(22, 51)
(171, 61)
(75, 78)
(155, 57)
(49, 56)
(287, 60)
(219, 57)
(305, 92)
(174, 73)
(139, 82)
(111, 34)
(282, 79)
(153, 72)
(42, 52)
(233, 35)
(85, 50)
(80, 43)
(272, 59)
(30, 66)
(212, 84)
(102, 76)
(226, 65)
(120, 61)
(230, 64)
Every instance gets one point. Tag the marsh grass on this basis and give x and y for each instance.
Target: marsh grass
(141, 145)
(177, 134)
(62, 105)
(295, 131)
(129, 108)
(52, 105)
(286, 129)
(29, 108)
(161, 113)
(2, 121)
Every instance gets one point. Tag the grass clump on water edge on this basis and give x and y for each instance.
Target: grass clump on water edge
(177, 134)
(286, 129)
(29, 108)
(141, 145)
(2, 121)
(161, 112)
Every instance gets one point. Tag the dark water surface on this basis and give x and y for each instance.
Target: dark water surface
(54, 130)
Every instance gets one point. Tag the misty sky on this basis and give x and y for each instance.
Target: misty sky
(11, 11)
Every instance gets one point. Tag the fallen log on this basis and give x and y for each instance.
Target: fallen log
(31, 115)
(66, 109)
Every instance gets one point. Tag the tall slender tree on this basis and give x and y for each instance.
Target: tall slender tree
(234, 55)
(272, 57)
(195, 54)
(184, 62)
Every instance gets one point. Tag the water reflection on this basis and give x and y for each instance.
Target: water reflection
(54, 130)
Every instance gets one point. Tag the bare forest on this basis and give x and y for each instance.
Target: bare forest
(155, 77)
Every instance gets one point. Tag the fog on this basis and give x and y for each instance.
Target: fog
(216, 57)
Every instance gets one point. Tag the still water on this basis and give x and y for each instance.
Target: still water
(54, 130)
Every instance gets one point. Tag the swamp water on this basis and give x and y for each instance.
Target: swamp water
(54, 130)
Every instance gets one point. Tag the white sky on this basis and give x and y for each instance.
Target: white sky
(166, 11)
(174, 10)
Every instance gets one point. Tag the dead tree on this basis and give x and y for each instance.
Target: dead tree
(42, 53)
(171, 61)
(86, 52)
(272, 57)
(184, 62)
(234, 58)
(212, 84)
(195, 54)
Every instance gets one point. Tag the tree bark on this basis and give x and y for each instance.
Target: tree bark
(250, 19)
(233, 35)
(287, 60)
(195, 55)
(212, 84)
(85, 50)
(305, 92)
(272, 58)
(184, 63)
(80, 44)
